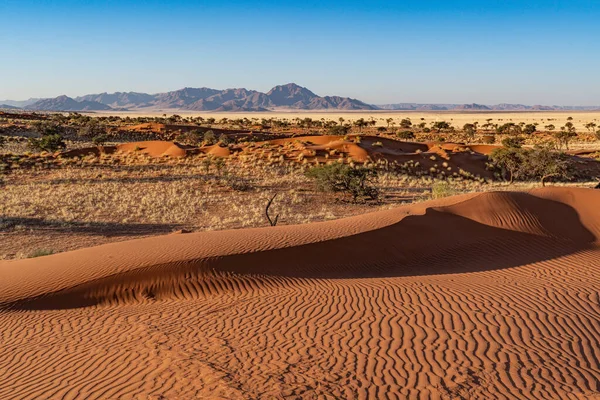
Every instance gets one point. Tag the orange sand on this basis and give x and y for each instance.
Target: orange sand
(480, 296)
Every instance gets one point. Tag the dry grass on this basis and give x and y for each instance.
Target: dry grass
(91, 201)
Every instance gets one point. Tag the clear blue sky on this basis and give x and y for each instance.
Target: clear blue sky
(485, 51)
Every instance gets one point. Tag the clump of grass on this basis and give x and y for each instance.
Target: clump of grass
(40, 253)
(442, 189)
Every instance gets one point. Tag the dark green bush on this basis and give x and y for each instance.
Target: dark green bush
(405, 135)
(50, 143)
(355, 181)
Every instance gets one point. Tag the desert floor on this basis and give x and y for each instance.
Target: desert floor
(458, 119)
(478, 296)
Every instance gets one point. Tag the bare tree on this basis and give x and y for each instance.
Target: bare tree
(271, 221)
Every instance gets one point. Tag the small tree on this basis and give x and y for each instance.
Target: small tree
(338, 130)
(590, 126)
(509, 161)
(564, 137)
(513, 142)
(356, 181)
(529, 129)
(543, 163)
(440, 125)
(510, 128)
(360, 124)
(405, 135)
(470, 130)
(406, 123)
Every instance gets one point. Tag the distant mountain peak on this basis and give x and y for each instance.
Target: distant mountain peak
(66, 103)
(289, 96)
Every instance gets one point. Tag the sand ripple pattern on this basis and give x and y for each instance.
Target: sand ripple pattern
(489, 296)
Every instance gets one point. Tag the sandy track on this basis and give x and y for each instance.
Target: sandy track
(481, 296)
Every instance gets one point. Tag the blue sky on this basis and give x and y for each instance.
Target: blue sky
(486, 51)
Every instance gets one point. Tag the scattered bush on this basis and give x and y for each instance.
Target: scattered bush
(49, 143)
(405, 135)
(191, 138)
(210, 138)
(441, 125)
(509, 161)
(543, 163)
(488, 139)
(564, 137)
(406, 123)
(529, 129)
(442, 189)
(470, 130)
(513, 142)
(40, 253)
(355, 181)
(538, 163)
(99, 140)
(338, 130)
(224, 139)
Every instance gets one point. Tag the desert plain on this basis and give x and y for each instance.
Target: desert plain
(184, 259)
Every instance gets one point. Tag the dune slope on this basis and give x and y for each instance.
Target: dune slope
(490, 295)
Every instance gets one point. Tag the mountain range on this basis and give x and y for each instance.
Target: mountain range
(290, 96)
(282, 97)
(479, 107)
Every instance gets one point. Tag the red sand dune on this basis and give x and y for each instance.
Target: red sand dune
(154, 148)
(438, 159)
(480, 296)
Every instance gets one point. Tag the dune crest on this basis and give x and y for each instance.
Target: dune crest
(386, 243)
(488, 295)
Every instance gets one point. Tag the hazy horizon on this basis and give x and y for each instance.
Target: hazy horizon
(384, 52)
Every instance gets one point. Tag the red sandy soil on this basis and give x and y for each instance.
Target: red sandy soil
(158, 128)
(480, 296)
(435, 158)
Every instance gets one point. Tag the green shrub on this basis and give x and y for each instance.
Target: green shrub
(509, 161)
(224, 139)
(49, 143)
(210, 138)
(355, 181)
(338, 130)
(442, 189)
(513, 142)
(538, 163)
(99, 140)
(405, 135)
(564, 137)
(441, 125)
